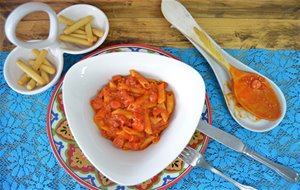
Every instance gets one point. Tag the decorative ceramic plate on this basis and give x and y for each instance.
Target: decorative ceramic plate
(75, 163)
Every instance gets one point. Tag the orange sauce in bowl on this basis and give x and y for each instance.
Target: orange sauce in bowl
(256, 95)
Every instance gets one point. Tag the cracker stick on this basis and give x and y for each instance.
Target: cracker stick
(31, 84)
(78, 24)
(23, 79)
(36, 52)
(44, 67)
(65, 20)
(72, 39)
(97, 32)
(45, 76)
(69, 22)
(83, 36)
(79, 31)
(40, 59)
(47, 69)
(89, 33)
(30, 72)
(31, 62)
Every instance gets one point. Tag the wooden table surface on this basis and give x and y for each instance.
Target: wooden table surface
(271, 24)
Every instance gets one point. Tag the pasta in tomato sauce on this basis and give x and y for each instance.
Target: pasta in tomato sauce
(132, 111)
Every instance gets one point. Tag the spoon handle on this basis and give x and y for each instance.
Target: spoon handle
(207, 45)
(283, 171)
(182, 20)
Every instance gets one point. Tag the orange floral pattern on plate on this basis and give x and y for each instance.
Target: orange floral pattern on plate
(147, 184)
(64, 131)
(104, 180)
(176, 165)
(197, 139)
(78, 161)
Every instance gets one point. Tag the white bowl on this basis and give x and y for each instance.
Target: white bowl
(85, 78)
(12, 72)
(76, 12)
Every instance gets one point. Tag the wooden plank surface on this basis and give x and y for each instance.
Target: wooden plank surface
(271, 24)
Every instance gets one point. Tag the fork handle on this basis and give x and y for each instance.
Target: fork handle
(237, 184)
(283, 171)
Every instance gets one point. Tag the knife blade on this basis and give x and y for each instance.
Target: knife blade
(221, 136)
(236, 144)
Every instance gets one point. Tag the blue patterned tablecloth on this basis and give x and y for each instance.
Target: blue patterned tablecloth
(27, 161)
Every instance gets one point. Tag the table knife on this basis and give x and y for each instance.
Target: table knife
(236, 144)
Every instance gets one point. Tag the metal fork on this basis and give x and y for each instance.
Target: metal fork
(195, 159)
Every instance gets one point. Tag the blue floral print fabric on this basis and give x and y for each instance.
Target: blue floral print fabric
(27, 161)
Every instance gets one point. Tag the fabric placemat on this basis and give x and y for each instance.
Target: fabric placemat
(27, 161)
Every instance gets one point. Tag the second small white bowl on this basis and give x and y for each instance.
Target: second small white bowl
(76, 12)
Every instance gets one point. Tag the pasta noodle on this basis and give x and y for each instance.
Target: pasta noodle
(132, 111)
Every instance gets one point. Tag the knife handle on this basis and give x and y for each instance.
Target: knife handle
(283, 171)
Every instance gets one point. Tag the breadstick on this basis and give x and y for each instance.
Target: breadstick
(36, 52)
(78, 24)
(44, 67)
(83, 36)
(69, 22)
(97, 32)
(40, 59)
(45, 76)
(89, 33)
(47, 69)
(65, 20)
(30, 72)
(23, 79)
(66, 38)
(31, 84)
(79, 31)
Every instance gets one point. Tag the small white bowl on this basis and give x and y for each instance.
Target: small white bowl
(12, 72)
(76, 12)
(55, 47)
(82, 83)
